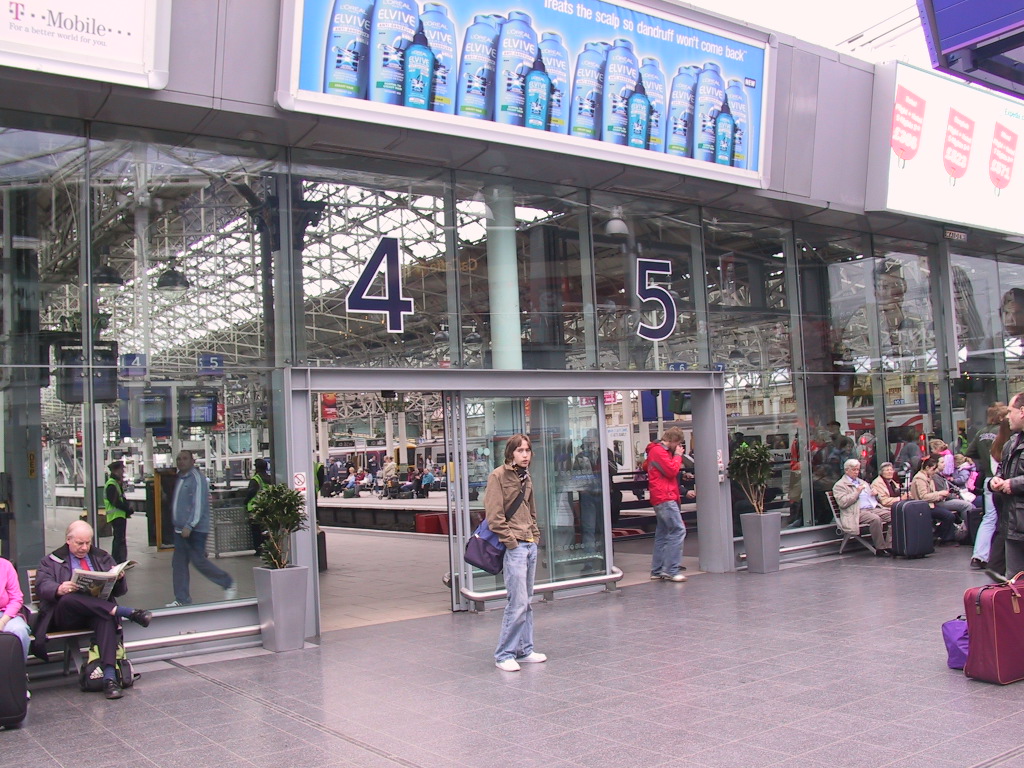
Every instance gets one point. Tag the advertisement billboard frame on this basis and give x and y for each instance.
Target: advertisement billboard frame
(289, 96)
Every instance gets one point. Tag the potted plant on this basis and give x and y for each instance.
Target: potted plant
(750, 468)
(281, 587)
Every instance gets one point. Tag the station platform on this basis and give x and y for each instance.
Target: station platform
(836, 661)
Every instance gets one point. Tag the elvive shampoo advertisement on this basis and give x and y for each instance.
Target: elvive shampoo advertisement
(584, 70)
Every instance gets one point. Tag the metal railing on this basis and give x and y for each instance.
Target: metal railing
(479, 598)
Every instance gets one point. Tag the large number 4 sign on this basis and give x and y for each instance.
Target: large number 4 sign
(392, 303)
(646, 291)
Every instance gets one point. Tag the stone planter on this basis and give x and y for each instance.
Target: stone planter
(281, 597)
(761, 537)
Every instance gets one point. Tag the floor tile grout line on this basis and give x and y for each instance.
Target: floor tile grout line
(297, 717)
(1000, 759)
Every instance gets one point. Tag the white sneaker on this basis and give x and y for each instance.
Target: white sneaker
(507, 665)
(656, 576)
(175, 604)
(533, 658)
(231, 593)
(673, 577)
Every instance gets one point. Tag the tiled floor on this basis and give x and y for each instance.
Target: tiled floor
(836, 662)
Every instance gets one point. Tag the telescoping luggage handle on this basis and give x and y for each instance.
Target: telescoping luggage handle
(1014, 597)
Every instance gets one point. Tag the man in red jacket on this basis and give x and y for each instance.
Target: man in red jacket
(664, 459)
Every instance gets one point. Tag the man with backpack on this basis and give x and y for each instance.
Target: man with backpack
(664, 459)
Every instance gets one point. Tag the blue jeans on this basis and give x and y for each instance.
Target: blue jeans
(19, 629)
(193, 550)
(668, 539)
(516, 638)
(986, 530)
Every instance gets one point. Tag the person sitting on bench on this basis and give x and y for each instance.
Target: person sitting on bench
(64, 607)
(858, 506)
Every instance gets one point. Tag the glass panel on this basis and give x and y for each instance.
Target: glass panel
(566, 473)
(41, 196)
(374, 263)
(522, 285)
(185, 233)
(643, 260)
(749, 321)
(978, 298)
(1011, 310)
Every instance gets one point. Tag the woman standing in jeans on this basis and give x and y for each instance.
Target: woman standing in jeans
(512, 516)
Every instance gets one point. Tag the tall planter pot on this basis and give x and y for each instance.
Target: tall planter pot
(281, 598)
(762, 536)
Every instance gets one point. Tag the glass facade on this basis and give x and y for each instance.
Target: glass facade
(152, 282)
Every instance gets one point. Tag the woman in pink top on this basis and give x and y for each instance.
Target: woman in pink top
(11, 600)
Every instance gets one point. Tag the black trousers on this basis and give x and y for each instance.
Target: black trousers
(77, 611)
(119, 547)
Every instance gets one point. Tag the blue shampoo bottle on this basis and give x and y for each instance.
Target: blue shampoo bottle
(740, 109)
(517, 50)
(538, 95)
(587, 92)
(725, 132)
(440, 32)
(556, 62)
(679, 131)
(638, 110)
(476, 72)
(346, 66)
(654, 84)
(620, 75)
(392, 28)
(420, 63)
(710, 95)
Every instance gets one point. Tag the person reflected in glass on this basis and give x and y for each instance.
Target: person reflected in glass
(585, 469)
(511, 511)
(190, 510)
(1012, 312)
(664, 458)
(261, 479)
(117, 510)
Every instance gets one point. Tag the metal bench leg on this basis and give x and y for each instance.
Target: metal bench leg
(72, 656)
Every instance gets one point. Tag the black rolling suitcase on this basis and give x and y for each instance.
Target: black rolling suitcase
(13, 691)
(912, 534)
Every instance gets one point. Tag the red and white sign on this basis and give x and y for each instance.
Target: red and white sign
(299, 482)
(1004, 150)
(907, 120)
(952, 162)
(956, 153)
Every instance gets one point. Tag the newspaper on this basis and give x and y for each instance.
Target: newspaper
(100, 583)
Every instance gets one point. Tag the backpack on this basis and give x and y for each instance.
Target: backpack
(91, 676)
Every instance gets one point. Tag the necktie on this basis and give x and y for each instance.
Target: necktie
(84, 564)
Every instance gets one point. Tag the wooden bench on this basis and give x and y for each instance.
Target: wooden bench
(71, 638)
(863, 534)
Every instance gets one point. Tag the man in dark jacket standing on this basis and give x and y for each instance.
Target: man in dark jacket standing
(1009, 480)
(64, 607)
(664, 459)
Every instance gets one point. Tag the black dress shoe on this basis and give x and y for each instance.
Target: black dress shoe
(112, 690)
(141, 617)
(978, 565)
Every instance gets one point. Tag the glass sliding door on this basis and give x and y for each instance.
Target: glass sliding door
(567, 472)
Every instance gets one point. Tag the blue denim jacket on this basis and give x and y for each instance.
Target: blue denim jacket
(191, 503)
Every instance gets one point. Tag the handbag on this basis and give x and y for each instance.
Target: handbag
(484, 549)
(954, 633)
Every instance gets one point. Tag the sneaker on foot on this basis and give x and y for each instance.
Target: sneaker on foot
(507, 665)
(673, 577)
(112, 690)
(176, 604)
(141, 617)
(231, 592)
(656, 576)
(978, 565)
(532, 658)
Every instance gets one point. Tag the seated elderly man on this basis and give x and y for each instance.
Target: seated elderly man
(858, 506)
(64, 607)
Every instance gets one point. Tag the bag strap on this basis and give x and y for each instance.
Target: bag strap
(515, 505)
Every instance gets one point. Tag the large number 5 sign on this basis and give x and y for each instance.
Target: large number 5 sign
(392, 303)
(645, 268)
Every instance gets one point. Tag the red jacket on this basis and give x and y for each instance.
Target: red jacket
(662, 473)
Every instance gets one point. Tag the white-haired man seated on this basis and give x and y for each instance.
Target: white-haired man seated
(858, 506)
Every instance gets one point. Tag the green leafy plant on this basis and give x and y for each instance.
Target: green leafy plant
(279, 512)
(750, 466)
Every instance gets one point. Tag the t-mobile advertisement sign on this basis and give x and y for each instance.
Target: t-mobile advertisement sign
(946, 151)
(548, 73)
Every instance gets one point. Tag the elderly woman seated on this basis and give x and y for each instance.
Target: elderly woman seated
(859, 506)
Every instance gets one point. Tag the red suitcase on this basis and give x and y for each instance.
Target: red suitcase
(995, 625)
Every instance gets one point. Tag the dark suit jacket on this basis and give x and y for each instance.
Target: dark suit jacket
(54, 570)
